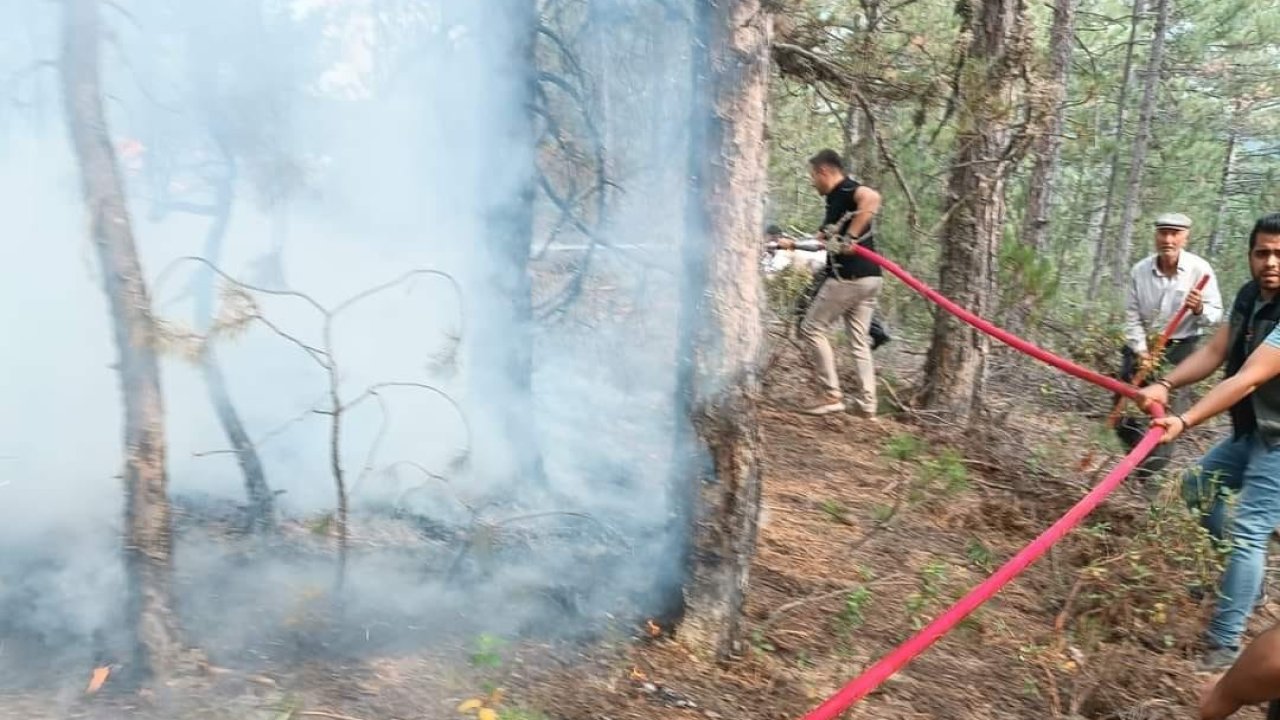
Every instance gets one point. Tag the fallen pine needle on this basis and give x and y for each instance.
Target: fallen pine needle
(99, 677)
(325, 714)
(890, 579)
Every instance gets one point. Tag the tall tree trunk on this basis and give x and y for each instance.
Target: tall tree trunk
(720, 319)
(1047, 149)
(1141, 143)
(1048, 146)
(1093, 210)
(1224, 184)
(1100, 253)
(502, 360)
(866, 161)
(987, 106)
(261, 501)
(148, 539)
(851, 131)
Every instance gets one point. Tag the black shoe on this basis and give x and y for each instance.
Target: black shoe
(1216, 659)
(879, 338)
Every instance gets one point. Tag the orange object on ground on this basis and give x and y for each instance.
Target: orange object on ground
(99, 677)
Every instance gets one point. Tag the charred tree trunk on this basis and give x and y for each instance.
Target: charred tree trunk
(1048, 146)
(261, 501)
(503, 356)
(1100, 253)
(148, 539)
(1141, 143)
(986, 109)
(720, 322)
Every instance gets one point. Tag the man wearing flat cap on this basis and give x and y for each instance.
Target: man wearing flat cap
(1159, 285)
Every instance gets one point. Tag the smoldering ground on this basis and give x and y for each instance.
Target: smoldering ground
(359, 141)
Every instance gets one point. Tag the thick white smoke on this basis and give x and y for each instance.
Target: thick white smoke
(367, 141)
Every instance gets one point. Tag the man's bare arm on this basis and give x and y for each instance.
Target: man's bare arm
(868, 205)
(1195, 368)
(1203, 361)
(1262, 365)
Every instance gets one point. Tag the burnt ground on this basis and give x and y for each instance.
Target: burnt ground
(869, 529)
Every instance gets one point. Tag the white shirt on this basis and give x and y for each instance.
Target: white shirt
(1154, 298)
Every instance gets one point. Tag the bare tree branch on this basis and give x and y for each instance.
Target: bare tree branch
(238, 283)
(835, 74)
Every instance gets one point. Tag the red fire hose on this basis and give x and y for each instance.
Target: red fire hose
(869, 680)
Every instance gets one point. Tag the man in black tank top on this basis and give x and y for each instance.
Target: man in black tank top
(848, 289)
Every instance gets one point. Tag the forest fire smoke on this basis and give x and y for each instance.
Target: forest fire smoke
(307, 390)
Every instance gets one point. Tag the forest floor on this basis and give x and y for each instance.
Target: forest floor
(869, 529)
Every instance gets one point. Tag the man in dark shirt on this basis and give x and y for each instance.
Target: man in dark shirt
(848, 288)
(1247, 463)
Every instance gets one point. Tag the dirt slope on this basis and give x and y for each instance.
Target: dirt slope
(869, 530)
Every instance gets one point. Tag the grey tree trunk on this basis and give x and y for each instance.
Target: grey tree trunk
(720, 319)
(148, 540)
(1224, 186)
(1047, 148)
(988, 107)
(1141, 143)
(1100, 253)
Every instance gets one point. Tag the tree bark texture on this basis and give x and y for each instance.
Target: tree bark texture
(1100, 251)
(148, 538)
(721, 326)
(1224, 185)
(986, 109)
(1141, 143)
(1047, 148)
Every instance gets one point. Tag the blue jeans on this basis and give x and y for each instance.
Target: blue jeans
(1249, 467)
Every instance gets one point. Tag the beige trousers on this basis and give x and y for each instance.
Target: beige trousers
(853, 301)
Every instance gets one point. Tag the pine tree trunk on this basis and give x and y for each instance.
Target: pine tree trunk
(987, 108)
(261, 501)
(1047, 149)
(721, 324)
(1048, 146)
(866, 160)
(1141, 143)
(148, 536)
(1224, 189)
(854, 138)
(1100, 253)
